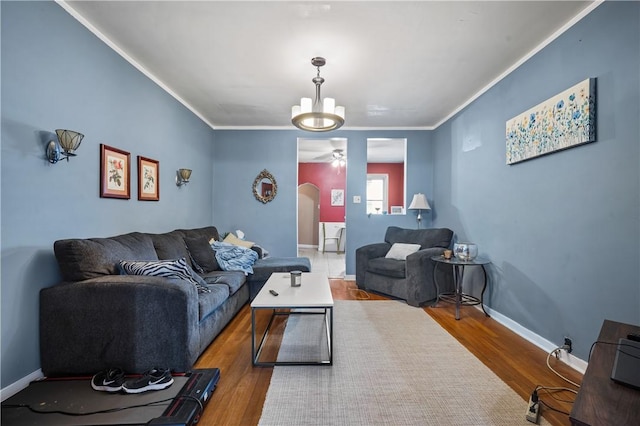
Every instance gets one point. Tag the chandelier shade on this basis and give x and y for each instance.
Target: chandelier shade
(318, 115)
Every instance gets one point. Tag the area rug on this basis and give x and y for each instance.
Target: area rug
(392, 365)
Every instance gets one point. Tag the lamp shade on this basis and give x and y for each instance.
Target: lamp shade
(419, 202)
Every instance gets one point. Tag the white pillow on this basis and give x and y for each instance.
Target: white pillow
(400, 251)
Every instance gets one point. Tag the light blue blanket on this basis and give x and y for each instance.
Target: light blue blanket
(234, 258)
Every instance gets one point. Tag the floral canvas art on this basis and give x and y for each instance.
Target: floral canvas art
(563, 121)
(114, 173)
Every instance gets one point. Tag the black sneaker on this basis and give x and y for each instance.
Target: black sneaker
(110, 380)
(154, 379)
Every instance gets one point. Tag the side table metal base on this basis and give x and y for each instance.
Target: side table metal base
(458, 297)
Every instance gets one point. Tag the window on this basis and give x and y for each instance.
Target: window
(377, 193)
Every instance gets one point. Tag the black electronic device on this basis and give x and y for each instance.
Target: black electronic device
(181, 404)
(275, 293)
(634, 336)
(626, 367)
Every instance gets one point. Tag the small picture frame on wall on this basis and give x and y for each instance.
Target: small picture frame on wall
(337, 197)
(148, 183)
(115, 173)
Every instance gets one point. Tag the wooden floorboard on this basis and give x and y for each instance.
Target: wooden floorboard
(242, 389)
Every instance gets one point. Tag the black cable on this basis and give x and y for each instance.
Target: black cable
(540, 401)
(612, 343)
(89, 413)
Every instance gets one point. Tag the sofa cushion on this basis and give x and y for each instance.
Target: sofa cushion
(212, 300)
(400, 251)
(232, 279)
(172, 269)
(263, 268)
(388, 267)
(202, 254)
(208, 232)
(170, 246)
(82, 259)
(232, 239)
(437, 237)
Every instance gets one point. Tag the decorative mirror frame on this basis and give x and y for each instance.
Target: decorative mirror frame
(258, 194)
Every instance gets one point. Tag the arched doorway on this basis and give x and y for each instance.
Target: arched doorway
(308, 215)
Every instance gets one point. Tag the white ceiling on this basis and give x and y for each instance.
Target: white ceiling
(392, 64)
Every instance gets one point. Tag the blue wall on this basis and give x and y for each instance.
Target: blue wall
(239, 155)
(56, 74)
(561, 230)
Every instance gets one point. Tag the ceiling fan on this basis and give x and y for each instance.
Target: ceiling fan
(338, 158)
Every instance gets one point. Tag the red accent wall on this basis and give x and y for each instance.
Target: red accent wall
(396, 181)
(325, 177)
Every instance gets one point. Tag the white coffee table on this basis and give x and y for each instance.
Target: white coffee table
(313, 297)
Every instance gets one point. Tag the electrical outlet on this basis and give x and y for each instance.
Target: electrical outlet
(568, 345)
(533, 410)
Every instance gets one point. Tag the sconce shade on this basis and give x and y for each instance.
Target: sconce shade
(69, 141)
(419, 202)
(185, 174)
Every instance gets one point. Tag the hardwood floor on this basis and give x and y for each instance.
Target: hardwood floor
(242, 389)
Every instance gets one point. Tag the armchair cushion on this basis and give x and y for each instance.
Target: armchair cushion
(389, 267)
(425, 237)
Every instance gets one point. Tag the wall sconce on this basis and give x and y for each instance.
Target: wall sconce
(68, 140)
(183, 176)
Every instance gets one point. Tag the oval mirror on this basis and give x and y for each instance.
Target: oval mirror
(265, 187)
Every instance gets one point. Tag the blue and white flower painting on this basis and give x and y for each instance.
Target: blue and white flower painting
(563, 121)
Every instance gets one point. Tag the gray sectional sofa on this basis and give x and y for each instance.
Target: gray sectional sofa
(99, 318)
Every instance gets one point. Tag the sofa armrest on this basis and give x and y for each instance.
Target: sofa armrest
(130, 322)
(363, 254)
(420, 275)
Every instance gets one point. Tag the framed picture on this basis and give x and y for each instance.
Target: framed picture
(561, 122)
(115, 176)
(397, 210)
(337, 197)
(148, 183)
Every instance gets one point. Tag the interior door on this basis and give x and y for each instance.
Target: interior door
(308, 215)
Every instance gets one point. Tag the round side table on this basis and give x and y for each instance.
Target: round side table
(457, 296)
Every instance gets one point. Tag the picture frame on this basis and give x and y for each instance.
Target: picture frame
(115, 173)
(563, 121)
(148, 182)
(397, 210)
(337, 197)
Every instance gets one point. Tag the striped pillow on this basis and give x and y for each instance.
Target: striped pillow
(173, 269)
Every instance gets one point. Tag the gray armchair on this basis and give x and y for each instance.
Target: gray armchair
(411, 279)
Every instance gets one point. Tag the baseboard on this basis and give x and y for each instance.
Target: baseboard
(307, 246)
(16, 387)
(349, 278)
(544, 344)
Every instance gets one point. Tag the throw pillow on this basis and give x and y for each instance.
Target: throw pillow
(232, 239)
(172, 269)
(400, 251)
(202, 255)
